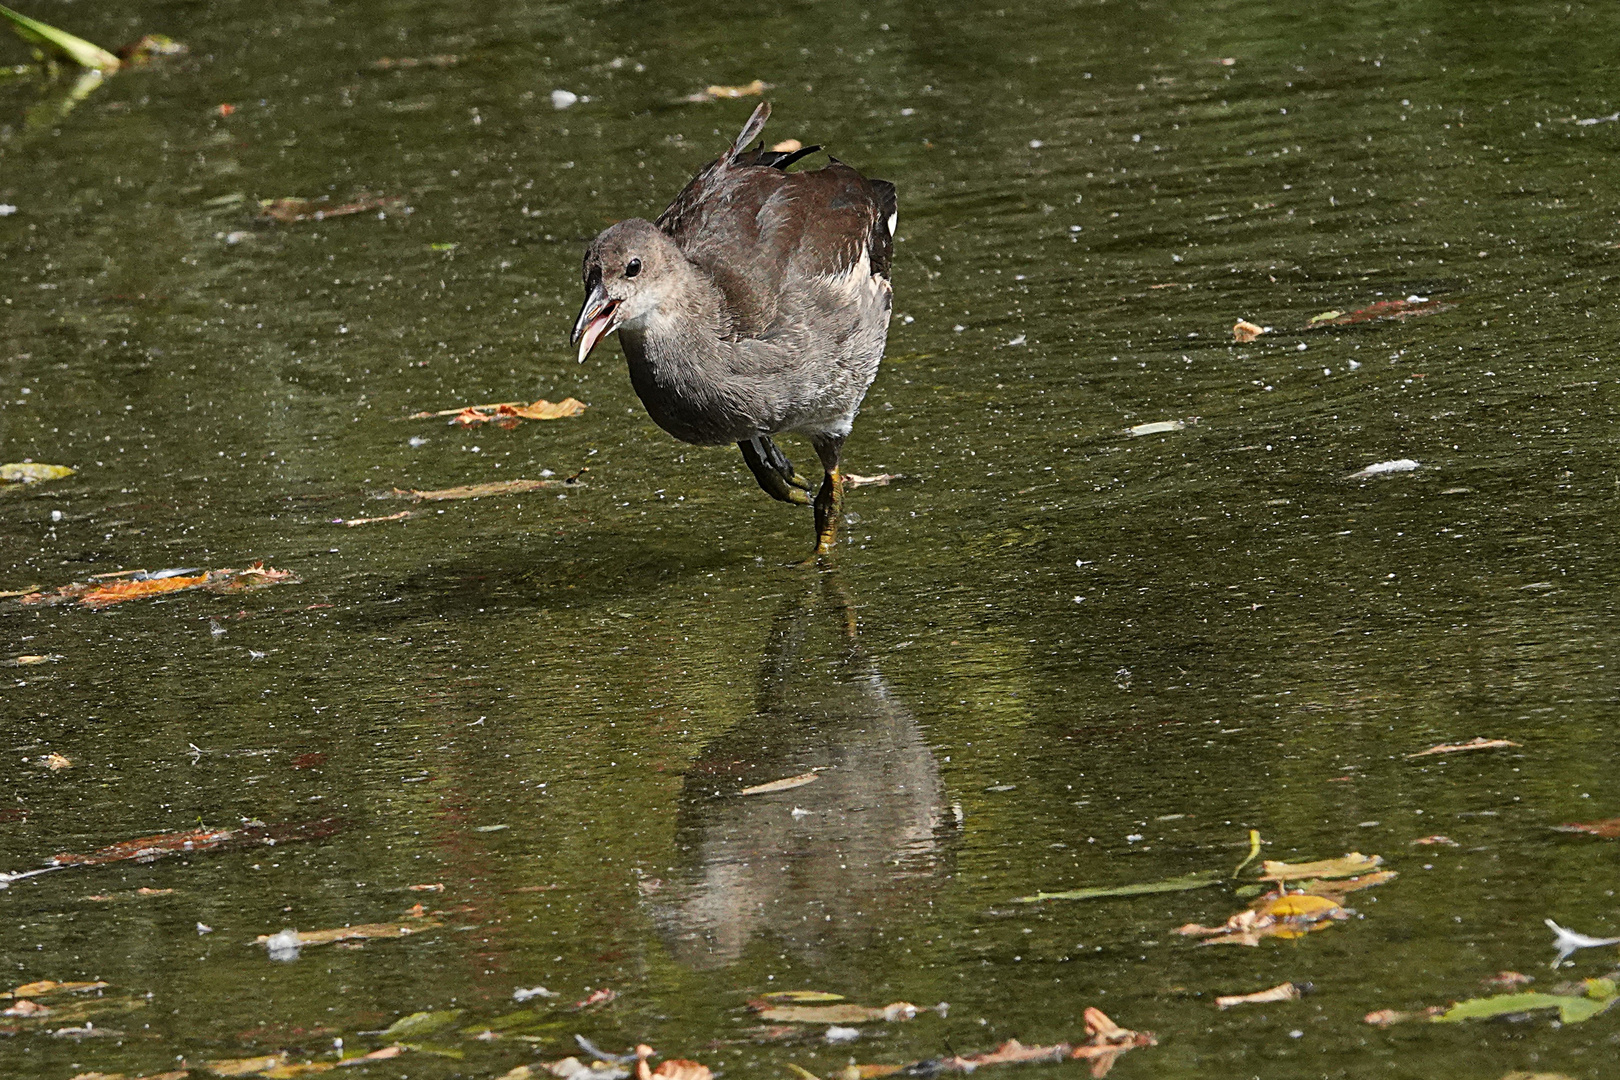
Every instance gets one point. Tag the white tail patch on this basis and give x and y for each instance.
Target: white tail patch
(894, 220)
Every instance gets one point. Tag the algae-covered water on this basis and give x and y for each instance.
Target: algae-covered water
(1054, 654)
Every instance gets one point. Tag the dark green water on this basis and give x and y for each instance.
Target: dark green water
(1082, 657)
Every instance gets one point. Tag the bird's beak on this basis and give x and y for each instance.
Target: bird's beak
(595, 320)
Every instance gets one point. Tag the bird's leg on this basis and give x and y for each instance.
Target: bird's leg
(774, 471)
(830, 499)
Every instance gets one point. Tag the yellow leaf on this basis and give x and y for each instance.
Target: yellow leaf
(1344, 866)
(32, 472)
(1299, 906)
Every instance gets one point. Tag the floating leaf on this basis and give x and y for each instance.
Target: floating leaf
(1383, 309)
(352, 522)
(853, 480)
(141, 584)
(1344, 866)
(1106, 1041)
(801, 997)
(1198, 880)
(244, 1066)
(357, 932)
(1244, 331)
(785, 784)
(1288, 916)
(56, 762)
(1386, 1017)
(32, 472)
(1339, 889)
(477, 491)
(833, 1014)
(1476, 743)
(47, 987)
(1609, 828)
(718, 93)
(290, 211)
(1288, 991)
(1158, 427)
(1571, 1010)
(420, 1023)
(507, 414)
(77, 49)
(149, 48)
(1380, 468)
(287, 1072)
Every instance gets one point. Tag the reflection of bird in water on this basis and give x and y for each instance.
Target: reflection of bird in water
(824, 866)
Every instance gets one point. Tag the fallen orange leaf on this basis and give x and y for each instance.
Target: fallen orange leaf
(1609, 828)
(1288, 991)
(1244, 331)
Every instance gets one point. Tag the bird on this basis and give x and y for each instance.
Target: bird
(756, 305)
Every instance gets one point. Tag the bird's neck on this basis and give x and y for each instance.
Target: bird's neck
(676, 354)
(682, 336)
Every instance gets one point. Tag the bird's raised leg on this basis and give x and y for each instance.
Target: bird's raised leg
(830, 499)
(774, 471)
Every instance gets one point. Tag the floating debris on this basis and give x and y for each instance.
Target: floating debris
(1568, 941)
(852, 480)
(564, 99)
(1476, 743)
(1411, 307)
(1400, 465)
(289, 211)
(721, 93)
(1350, 865)
(29, 472)
(1609, 828)
(786, 784)
(141, 584)
(389, 63)
(1244, 331)
(1157, 427)
(1201, 879)
(44, 36)
(506, 414)
(479, 491)
(149, 48)
(1288, 991)
(352, 522)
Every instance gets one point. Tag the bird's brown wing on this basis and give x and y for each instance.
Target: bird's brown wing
(756, 229)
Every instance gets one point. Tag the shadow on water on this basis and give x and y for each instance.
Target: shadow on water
(824, 867)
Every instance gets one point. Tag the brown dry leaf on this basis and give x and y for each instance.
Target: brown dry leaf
(358, 932)
(437, 886)
(507, 414)
(376, 1055)
(786, 146)
(284, 1072)
(146, 891)
(1339, 889)
(717, 93)
(1476, 743)
(1288, 991)
(352, 522)
(594, 998)
(1348, 865)
(1244, 331)
(244, 1066)
(682, 1069)
(289, 211)
(832, 1014)
(786, 784)
(852, 480)
(1435, 839)
(25, 1007)
(46, 987)
(1386, 1017)
(1383, 309)
(476, 491)
(1507, 980)
(1291, 915)
(1108, 1041)
(56, 762)
(1609, 828)
(97, 595)
(148, 848)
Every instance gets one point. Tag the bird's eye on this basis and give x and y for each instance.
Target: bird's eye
(632, 268)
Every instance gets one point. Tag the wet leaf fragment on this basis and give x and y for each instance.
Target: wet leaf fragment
(149, 48)
(56, 762)
(244, 1066)
(721, 93)
(289, 211)
(785, 784)
(1198, 880)
(801, 997)
(1244, 331)
(418, 1024)
(47, 987)
(142, 585)
(506, 414)
(1105, 1041)
(44, 36)
(1292, 915)
(1571, 1010)
(32, 472)
(479, 491)
(1382, 468)
(1609, 828)
(1157, 427)
(1476, 743)
(1348, 865)
(847, 1013)
(1288, 991)
(1384, 309)
(357, 932)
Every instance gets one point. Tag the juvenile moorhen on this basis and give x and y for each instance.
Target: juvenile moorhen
(757, 304)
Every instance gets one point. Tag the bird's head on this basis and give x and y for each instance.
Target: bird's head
(626, 271)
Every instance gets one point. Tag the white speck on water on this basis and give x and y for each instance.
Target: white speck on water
(1296, 1034)
(1157, 427)
(1019, 340)
(1302, 346)
(1416, 299)
(1079, 599)
(908, 112)
(238, 236)
(1366, 824)
(1327, 371)
(520, 994)
(283, 946)
(204, 928)
(1035, 144)
(958, 328)
(1399, 465)
(1354, 364)
(907, 319)
(563, 99)
(837, 1034)
(6, 209)
(1133, 838)
(546, 472)
(416, 441)
(800, 812)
